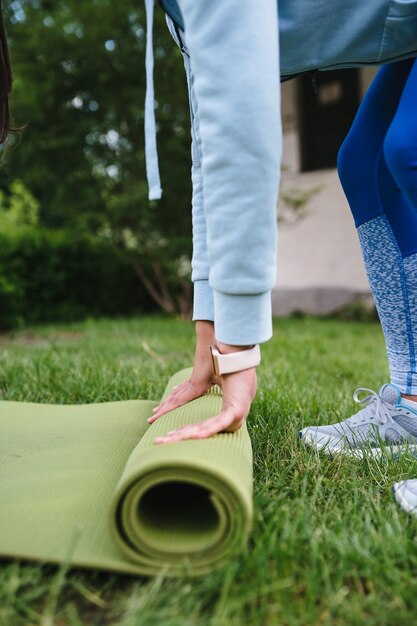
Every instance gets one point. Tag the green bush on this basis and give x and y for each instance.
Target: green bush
(50, 275)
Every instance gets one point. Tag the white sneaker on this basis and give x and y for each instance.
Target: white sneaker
(405, 493)
(386, 420)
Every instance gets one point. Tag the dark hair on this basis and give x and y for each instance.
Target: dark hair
(6, 80)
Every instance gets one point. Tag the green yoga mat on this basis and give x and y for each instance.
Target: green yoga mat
(84, 484)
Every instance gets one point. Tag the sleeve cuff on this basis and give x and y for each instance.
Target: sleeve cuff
(203, 308)
(242, 319)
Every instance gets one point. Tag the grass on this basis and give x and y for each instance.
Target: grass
(329, 545)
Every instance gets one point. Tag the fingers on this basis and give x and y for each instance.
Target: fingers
(176, 389)
(183, 393)
(224, 421)
(238, 391)
(165, 406)
(167, 399)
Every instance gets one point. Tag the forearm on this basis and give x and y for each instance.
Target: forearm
(234, 57)
(205, 334)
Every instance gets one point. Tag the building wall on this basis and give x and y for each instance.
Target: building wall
(320, 266)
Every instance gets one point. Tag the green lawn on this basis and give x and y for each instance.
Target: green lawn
(329, 545)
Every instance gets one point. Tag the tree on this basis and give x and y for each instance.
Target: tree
(79, 85)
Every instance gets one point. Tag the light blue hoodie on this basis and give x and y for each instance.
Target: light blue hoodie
(232, 60)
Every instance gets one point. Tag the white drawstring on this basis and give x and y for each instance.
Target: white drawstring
(151, 153)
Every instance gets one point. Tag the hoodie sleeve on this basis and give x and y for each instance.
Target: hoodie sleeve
(203, 308)
(234, 57)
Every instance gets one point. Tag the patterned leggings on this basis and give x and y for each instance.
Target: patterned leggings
(377, 166)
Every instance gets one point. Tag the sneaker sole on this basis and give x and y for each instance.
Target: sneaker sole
(358, 452)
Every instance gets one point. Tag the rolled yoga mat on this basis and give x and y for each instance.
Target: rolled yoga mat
(84, 484)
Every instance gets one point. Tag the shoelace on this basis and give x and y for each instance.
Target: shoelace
(382, 406)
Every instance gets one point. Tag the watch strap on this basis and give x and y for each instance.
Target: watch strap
(235, 361)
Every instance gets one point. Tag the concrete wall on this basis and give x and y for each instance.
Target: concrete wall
(320, 266)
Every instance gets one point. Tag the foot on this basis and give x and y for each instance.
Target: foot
(386, 420)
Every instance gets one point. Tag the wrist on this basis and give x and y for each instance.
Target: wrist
(229, 358)
(204, 330)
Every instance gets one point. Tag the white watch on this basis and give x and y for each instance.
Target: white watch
(235, 361)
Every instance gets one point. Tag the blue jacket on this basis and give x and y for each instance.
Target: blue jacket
(354, 33)
(234, 89)
(171, 7)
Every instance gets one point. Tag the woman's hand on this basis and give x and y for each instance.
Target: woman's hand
(202, 377)
(239, 390)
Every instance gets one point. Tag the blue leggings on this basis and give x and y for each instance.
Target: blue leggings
(377, 166)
